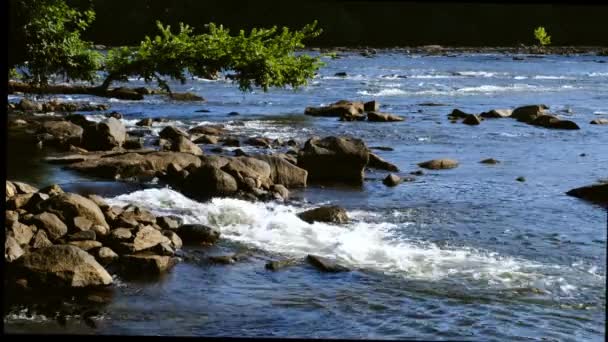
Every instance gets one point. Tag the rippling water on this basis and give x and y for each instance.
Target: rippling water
(466, 253)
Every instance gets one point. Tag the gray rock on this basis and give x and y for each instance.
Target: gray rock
(596, 193)
(81, 223)
(121, 234)
(472, 120)
(106, 256)
(168, 222)
(599, 122)
(528, 113)
(176, 241)
(172, 133)
(490, 161)
(330, 214)
(24, 188)
(52, 190)
(105, 135)
(279, 264)
(383, 117)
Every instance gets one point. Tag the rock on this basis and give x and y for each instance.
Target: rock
(115, 115)
(208, 130)
(183, 144)
(325, 264)
(599, 122)
(80, 120)
(23, 188)
(11, 217)
(240, 153)
(106, 256)
(62, 129)
(281, 190)
(233, 114)
(458, 114)
(18, 201)
(186, 97)
(496, 113)
(284, 172)
(163, 248)
(140, 215)
(376, 162)
(338, 159)
(438, 164)
(147, 122)
(11, 190)
(35, 201)
(52, 190)
(99, 201)
(21, 233)
(382, 117)
(27, 105)
(528, 113)
(490, 161)
(148, 237)
(125, 94)
(146, 264)
(12, 250)
(259, 142)
(222, 259)
(381, 148)
(106, 135)
(471, 120)
(210, 180)
(520, 179)
(391, 180)
(279, 264)
(53, 226)
(551, 121)
(353, 117)
(82, 236)
(338, 109)
(198, 233)
(63, 266)
(67, 206)
(81, 223)
(597, 193)
(122, 248)
(121, 234)
(176, 241)
(100, 230)
(134, 144)
(231, 142)
(329, 214)
(41, 240)
(371, 106)
(86, 245)
(167, 222)
(206, 139)
(340, 74)
(417, 173)
(172, 133)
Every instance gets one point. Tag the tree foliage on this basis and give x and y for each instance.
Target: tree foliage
(541, 36)
(263, 57)
(52, 43)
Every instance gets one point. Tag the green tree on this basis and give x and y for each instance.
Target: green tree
(541, 36)
(50, 42)
(263, 57)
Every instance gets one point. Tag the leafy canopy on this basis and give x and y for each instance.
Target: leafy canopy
(263, 57)
(52, 43)
(541, 35)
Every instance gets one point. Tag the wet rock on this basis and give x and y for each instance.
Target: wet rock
(86, 245)
(231, 142)
(471, 120)
(340, 74)
(337, 159)
(353, 117)
(63, 266)
(438, 164)
(222, 259)
(329, 214)
(528, 113)
(52, 190)
(82, 236)
(281, 190)
(376, 162)
(50, 223)
(35, 201)
(392, 180)
(67, 206)
(550, 121)
(147, 264)
(183, 144)
(121, 234)
(198, 233)
(62, 129)
(24, 188)
(458, 114)
(106, 256)
(99, 201)
(496, 114)
(371, 106)
(325, 264)
(186, 97)
(240, 153)
(27, 105)
(382, 117)
(176, 241)
(338, 109)
(22, 233)
(12, 250)
(148, 237)
(115, 115)
(80, 120)
(147, 122)
(134, 144)
(210, 180)
(206, 139)
(259, 142)
(599, 122)
(163, 248)
(520, 179)
(41, 240)
(381, 148)
(168, 222)
(105, 135)
(208, 130)
(279, 264)
(233, 114)
(417, 173)
(11, 190)
(172, 133)
(11, 217)
(284, 172)
(490, 161)
(597, 193)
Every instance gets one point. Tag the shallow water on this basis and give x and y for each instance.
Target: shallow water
(466, 253)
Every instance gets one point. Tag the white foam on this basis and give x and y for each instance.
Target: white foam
(598, 74)
(477, 73)
(25, 315)
(383, 92)
(378, 246)
(549, 77)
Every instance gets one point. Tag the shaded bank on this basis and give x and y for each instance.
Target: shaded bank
(373, 23)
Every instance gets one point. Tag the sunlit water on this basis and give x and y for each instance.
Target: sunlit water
(467, 253)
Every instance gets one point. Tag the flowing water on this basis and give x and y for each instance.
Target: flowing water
(467, 253)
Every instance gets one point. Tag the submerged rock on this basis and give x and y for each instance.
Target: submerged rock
(329, 214)
(279, 264)
(599, 122)
(490, 161)
(338, 109)
(146, 264)
(198, 233)
(325, 264)
(383, 117)
(391, 180)
(496, 113)
(471, 120)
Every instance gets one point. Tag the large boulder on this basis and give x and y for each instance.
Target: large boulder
(51, 224)
(551, 121)
(172, 133)
(12, 250)
(497, 113)
(24, 188)
(601, 121)
(208, 130)
(341, 108)
(376, 162)
(438, 164)
(597, 193)
(63, 266)
(528, 113)
(106, 135)
(243, 168)
(27, 105)
(148, 237)
(392, 180)
(197, 234)
(183, 144)
(472, 120)
(62, 129)
(383, 117)
(284, 172)
(209, 181)
(329, 214)
(326, 264)
(146, 264)
(22, 233)
(334, 159)
(67, 206)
